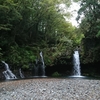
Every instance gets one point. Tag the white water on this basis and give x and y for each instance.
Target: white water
(42, 67)
(76, 62)
(39, 67)
(21, 74)
(76, 65)
(8, 73)
(42, 58)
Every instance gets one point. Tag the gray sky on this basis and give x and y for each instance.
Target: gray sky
(73, 9)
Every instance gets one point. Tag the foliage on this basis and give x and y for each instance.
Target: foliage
(20, 56)
(56, 74)
(29, 26)
(90, 27)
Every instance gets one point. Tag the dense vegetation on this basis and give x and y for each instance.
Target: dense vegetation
(90, 27)
(29, 26)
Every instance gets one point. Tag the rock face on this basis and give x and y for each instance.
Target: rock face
(50, 89)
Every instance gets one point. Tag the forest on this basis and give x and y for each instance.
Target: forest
(28, 27)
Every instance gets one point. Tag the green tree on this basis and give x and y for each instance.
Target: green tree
(36, 25)
(90, 27)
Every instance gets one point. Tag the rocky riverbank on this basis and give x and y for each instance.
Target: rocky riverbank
(50, 89)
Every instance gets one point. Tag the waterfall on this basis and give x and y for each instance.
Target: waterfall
(76, 73)
(76, 65)
(21, 74)
(39, 67)
(42, 67)
(8, 73)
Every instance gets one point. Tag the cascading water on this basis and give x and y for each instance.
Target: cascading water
(21, 74)
(76, 66)
(76, 62)
(42, 66)
(8, 73)
(39, 67)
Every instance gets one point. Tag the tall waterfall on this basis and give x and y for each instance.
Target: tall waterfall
(42, 66)
(8, 73)
(76, 63)
(39, 67)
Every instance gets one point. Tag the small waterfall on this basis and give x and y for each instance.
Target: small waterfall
(42, 58)
(42, 67)
(76, 63)
(39, 67)
(8, 73)
(21, 74)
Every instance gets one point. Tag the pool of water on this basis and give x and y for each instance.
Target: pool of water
(48, 77)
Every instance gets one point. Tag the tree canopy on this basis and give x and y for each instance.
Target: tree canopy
(30, 26)
(90, 27)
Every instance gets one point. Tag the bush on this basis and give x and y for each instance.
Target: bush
(56, 74)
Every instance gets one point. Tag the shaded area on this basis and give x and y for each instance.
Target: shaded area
(91, 69)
